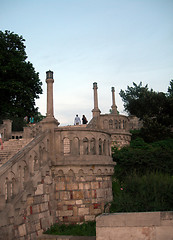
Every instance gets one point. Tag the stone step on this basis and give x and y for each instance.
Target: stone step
(10, 148)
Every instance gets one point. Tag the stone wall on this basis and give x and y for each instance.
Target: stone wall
(81, 193)
(135, 226)
(82, 173)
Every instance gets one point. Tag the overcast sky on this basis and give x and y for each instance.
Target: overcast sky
(111, 42)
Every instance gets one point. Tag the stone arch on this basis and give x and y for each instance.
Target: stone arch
(119, 124)
(81, 173)
(110, 124)
(60, 176)
(6, 189)
(66, 146)
(105, 124)
(91, 172)
(76, 146)
(100, 146)
(99, 172)
(35, 160)
(70, 176)
(85, 146)
(104, 147)
(70, 173)
(60, 173)
(116, 124)
(93, 146)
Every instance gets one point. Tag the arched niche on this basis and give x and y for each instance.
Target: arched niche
(85, 146)
(93, 146)
(66, 146)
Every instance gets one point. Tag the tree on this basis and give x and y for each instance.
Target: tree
(19, 83)
(154, 108)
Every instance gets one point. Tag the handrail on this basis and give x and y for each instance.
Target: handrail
(21, 153)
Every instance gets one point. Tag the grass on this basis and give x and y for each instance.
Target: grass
(84, 229)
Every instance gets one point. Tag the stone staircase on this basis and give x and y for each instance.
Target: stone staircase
(11, 147)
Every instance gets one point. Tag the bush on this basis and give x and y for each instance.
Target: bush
(85, 229)
(141, 158)
(150, 192)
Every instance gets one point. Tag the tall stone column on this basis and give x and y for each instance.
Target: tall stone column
(49, 81)
(49, 122)
(96, 110)
(114, 107)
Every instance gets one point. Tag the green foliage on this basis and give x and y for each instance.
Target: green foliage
(19, 123)
(150, 192)
(155, 109)
(19, 83)
(170, 89)
(141, 157)
(85, 229)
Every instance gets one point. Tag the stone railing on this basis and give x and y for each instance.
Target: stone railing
(32, 130)
(135, 226)
(82, 142)
(25, 182)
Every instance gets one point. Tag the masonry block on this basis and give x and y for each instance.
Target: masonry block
(65, 195)
(78, 194)
(60, 186)
(72, 186)
(22, 230)
(83, 211)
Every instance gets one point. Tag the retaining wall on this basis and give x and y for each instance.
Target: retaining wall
(135, 226)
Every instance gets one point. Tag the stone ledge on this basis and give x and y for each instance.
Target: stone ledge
(142, 225)
(135, 219)
(61, 237)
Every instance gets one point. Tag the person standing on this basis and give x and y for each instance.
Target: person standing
(77, 120)
(31, 120)
(84, 120)
(1, 142)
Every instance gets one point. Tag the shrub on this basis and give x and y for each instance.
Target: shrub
(85, 229)
(150, 192)
(141, 157)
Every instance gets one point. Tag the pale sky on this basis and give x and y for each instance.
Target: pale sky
(111, 42)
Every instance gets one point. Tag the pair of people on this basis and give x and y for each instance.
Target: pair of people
(31, 119)
(77, 120)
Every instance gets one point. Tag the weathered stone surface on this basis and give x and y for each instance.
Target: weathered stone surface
(135, 226)
(78, 194)
(60, 186)
(83, 211)
(22, 230)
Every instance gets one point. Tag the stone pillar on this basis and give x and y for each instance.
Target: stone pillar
(114, 107)
(49, 81)
(96, 110)
(7, 129)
